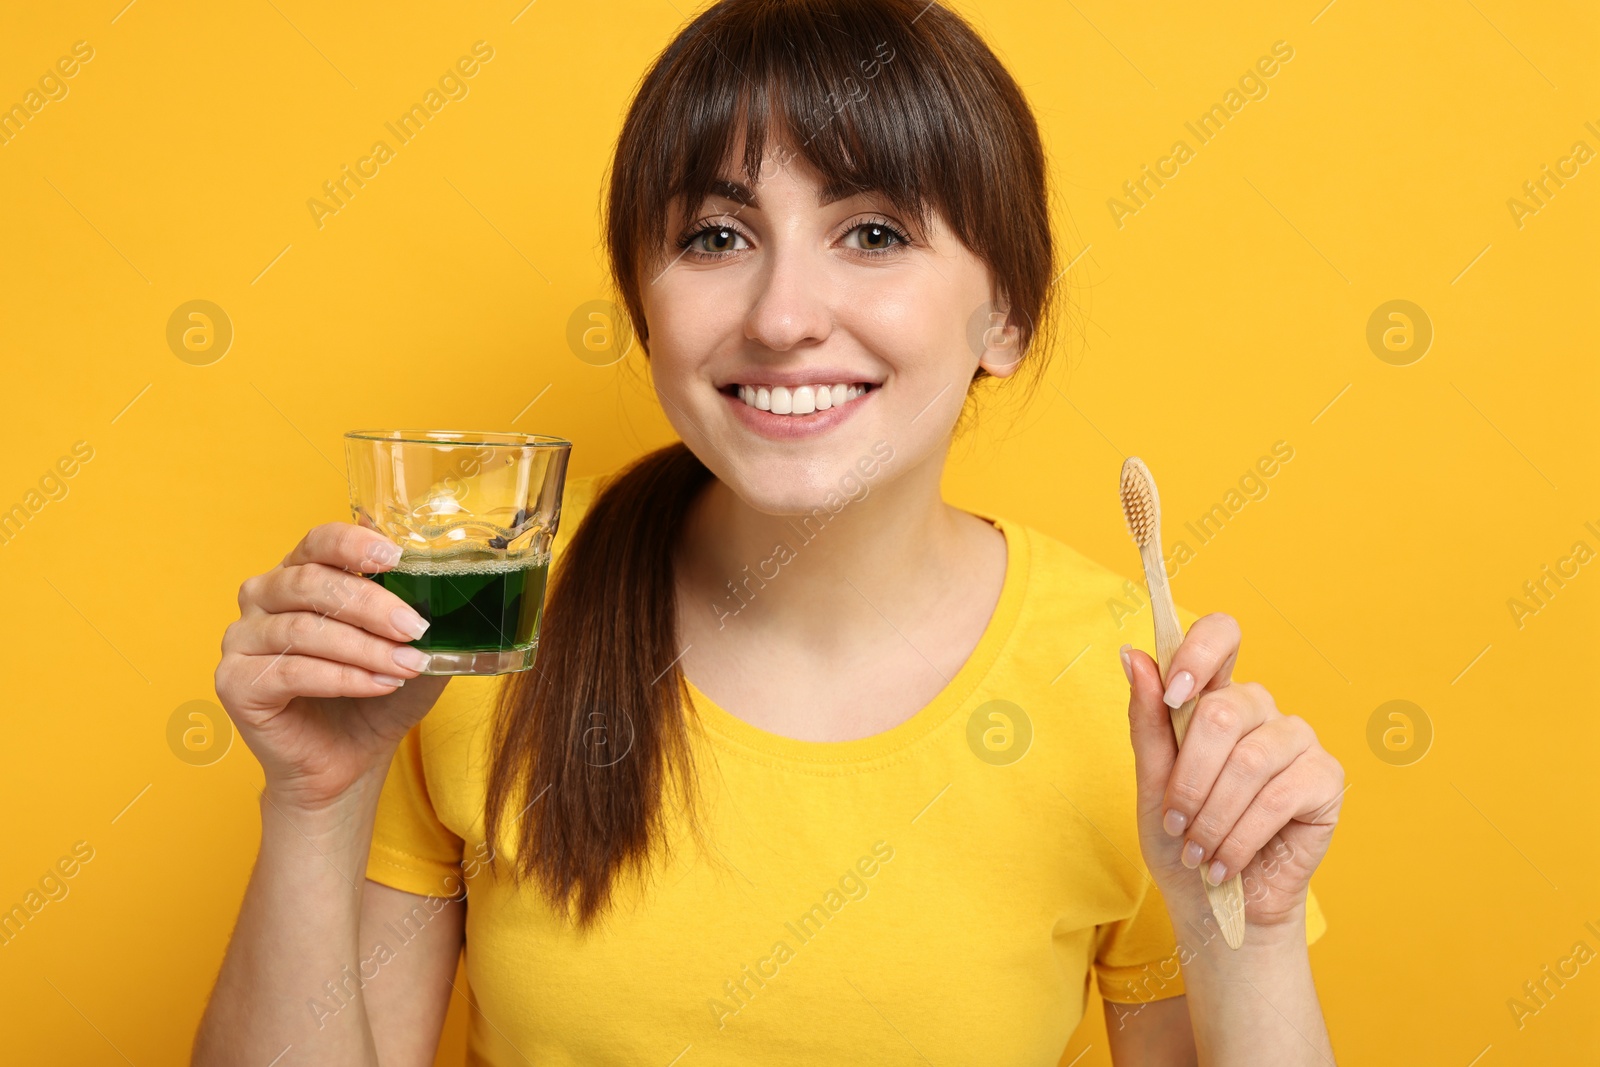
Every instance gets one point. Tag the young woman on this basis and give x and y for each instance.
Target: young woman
(813, 766)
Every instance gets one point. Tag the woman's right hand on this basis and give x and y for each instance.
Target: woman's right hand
(314, 671)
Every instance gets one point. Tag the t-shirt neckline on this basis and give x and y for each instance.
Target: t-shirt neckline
(750, 740)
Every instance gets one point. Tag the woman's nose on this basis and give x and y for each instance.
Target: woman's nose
(791, 304)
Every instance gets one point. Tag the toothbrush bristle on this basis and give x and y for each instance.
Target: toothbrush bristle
(1138, 500)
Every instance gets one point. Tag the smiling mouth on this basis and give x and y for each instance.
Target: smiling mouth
(799, 400)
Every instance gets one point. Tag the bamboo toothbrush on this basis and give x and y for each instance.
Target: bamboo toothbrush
(1142, 508)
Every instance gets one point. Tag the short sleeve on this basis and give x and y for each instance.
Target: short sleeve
(411, 849)
(1137, 959)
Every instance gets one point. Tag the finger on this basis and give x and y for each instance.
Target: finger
(272, 681)
(1220, 719)
(1258, 758)
(308, 633)
(346, 545)
(1299, 788)
(1155, 746)
(1205, 658)
(326, 590)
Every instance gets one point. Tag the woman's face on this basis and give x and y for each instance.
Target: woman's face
(799, 304)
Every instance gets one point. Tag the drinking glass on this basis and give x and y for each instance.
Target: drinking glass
(474, 515)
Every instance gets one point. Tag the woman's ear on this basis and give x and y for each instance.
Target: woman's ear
(1000, 349)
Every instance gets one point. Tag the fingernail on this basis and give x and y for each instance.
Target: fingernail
(1178, 689)
(1191, 854)
(1174, 821)
(412, 658)
(386, 679)
(1215, 872)
(1127, 664)
(408, 622)
(386, 553)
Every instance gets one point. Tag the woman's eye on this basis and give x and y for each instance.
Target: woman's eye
(877, 237)
(716, 240)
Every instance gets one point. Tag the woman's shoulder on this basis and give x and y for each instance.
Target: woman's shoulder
(454, 738)
(1076, 591)
(1076, 613)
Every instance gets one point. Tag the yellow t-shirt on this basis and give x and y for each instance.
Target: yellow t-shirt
(942, 888)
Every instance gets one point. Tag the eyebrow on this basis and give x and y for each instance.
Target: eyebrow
(741, 194)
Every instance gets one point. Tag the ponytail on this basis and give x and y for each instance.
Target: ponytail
(585, 742)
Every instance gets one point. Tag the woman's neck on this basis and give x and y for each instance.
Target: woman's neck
(826, 579)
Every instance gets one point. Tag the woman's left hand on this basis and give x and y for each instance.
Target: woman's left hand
(1251, 789)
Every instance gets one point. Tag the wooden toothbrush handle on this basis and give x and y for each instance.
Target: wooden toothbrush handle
(1227, 899)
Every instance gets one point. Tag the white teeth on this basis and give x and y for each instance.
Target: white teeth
(799, 400)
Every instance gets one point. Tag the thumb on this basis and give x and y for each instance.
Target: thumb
(1155, 746)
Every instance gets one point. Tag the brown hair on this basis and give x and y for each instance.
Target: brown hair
(896, 96)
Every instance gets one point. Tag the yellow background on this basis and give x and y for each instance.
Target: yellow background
(1229, 313)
